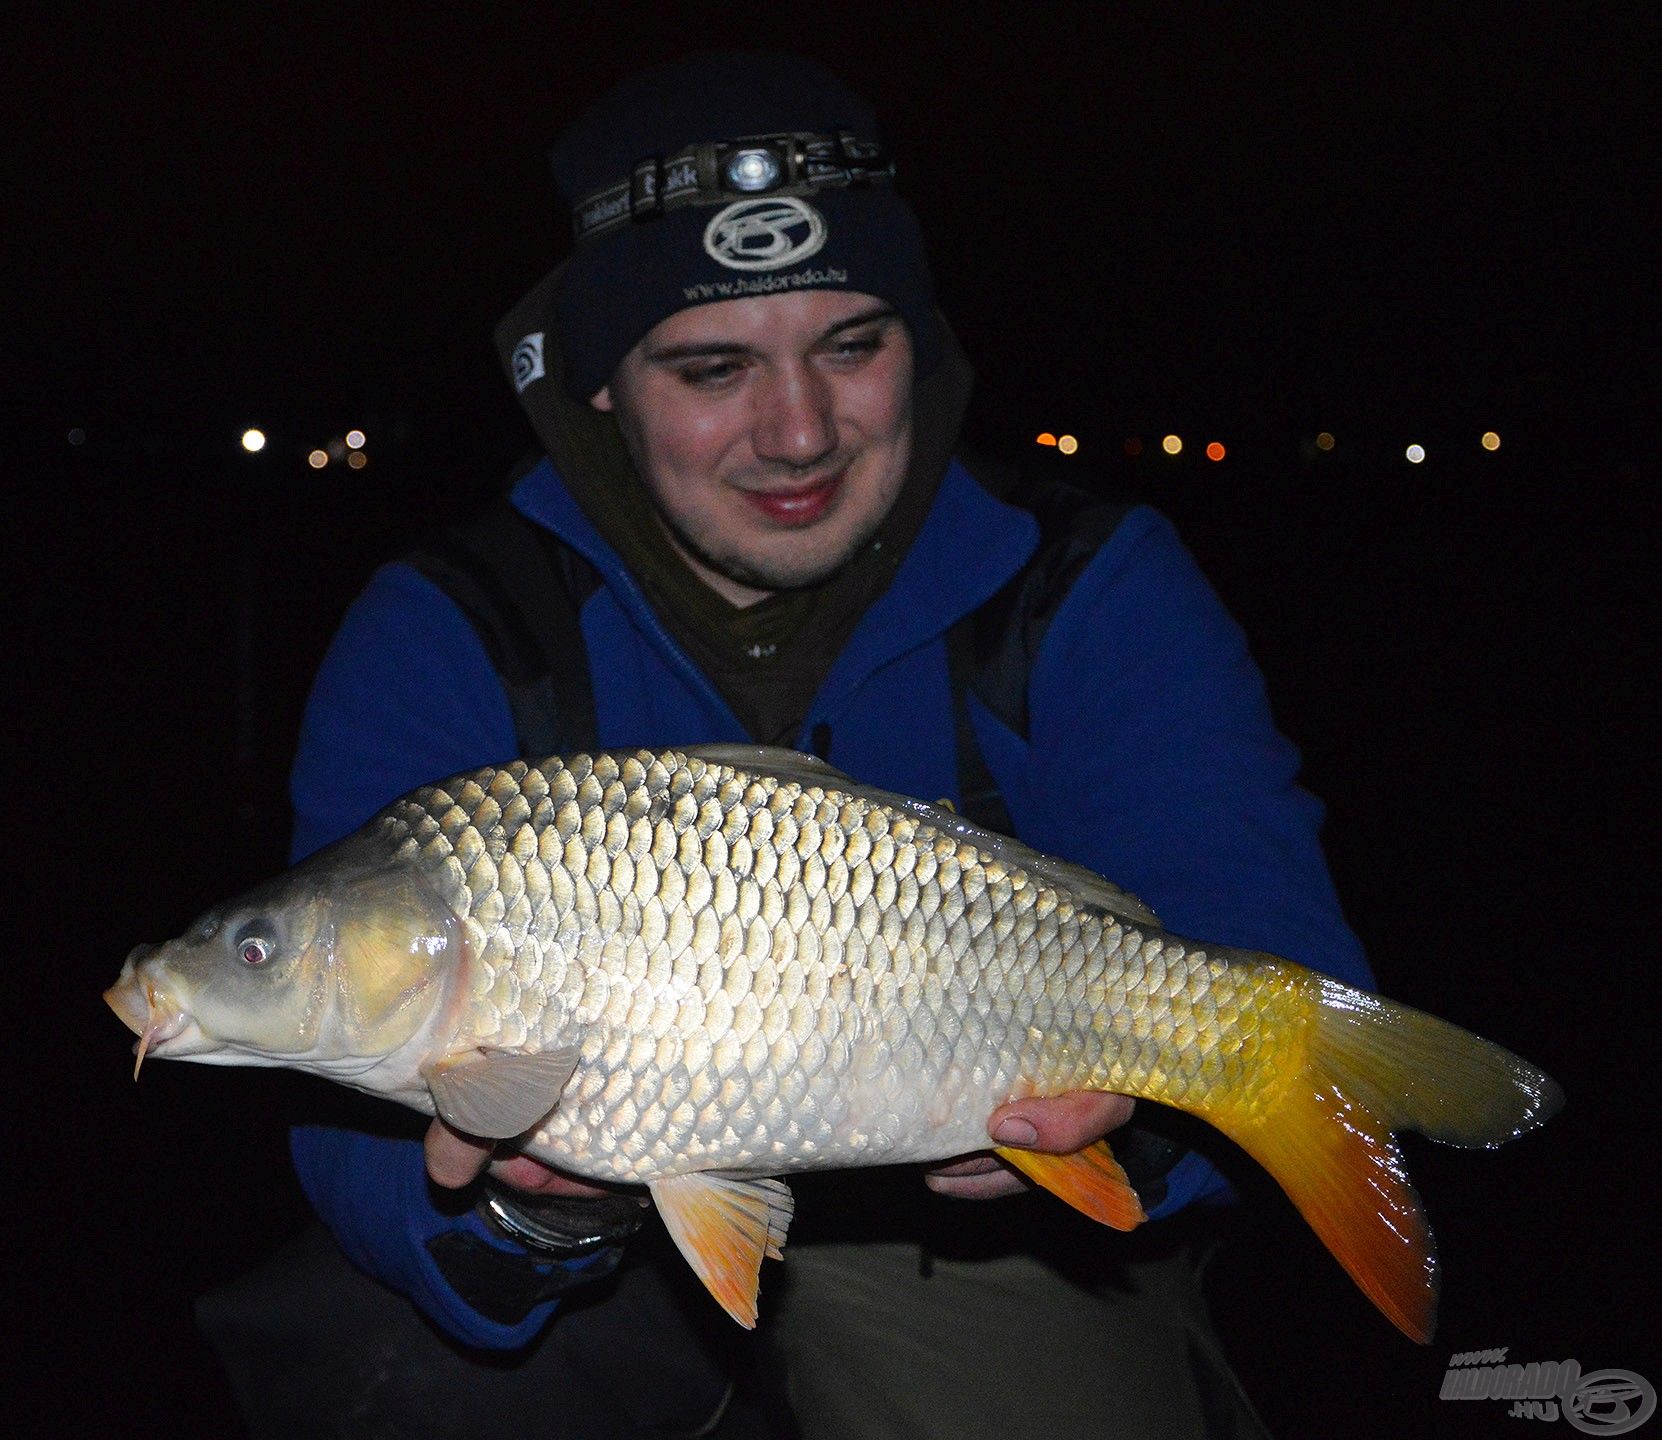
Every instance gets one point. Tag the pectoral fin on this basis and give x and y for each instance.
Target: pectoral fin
(724, 1225)
(1090, 1180)
(499, 1093)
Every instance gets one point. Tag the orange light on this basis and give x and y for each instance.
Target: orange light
(1324, 441)
(1491, 441)
(1172, 444)
(357, 459)
(1047, 438)
(1066, 444)
(1215, 451)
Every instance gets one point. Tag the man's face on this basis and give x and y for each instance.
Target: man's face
(773, 432)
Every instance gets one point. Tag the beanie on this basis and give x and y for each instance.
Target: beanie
(718, 177)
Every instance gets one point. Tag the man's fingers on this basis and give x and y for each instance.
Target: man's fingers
(992, 1184)
(535, 1178)
(1062, 1124)
(454, 1159)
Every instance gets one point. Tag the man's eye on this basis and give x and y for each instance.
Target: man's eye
(710, 374)
(858, 349)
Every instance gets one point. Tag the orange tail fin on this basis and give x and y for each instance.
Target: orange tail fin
(1373, 1067)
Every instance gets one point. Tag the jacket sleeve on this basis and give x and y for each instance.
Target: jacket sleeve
(405, 695)
(1153, 758)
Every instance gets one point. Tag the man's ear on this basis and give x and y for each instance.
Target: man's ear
(602, 399)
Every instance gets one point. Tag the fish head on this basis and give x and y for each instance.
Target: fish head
(335, 964)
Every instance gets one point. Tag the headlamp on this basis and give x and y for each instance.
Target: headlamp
(751, 170)
(796, 163)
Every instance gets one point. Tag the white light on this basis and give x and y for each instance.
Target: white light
(317, 459)
(253, 441)
(355, 439)
(752, 170)
(1416, 453)
(1067, 444)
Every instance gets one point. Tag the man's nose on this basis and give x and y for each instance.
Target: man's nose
(795, 420)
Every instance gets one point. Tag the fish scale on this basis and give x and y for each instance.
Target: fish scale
(728, 876)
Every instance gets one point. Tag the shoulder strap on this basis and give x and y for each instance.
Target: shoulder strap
(522, 590)
(992, 649)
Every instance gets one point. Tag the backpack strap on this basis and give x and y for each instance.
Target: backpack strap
(992, 649)
(523, 590)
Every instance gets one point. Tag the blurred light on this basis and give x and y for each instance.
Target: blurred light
(751, 170)
(1047, 438)
(317, 459)
(1134, 447)
(1066, 444)
(357, 459)
(1324, 441)
(355, 438)
(1416, 453)
(1215, 451)
(253, 441)
(1172, 444)
(77, 436)
(336, 449)
(1491, 441)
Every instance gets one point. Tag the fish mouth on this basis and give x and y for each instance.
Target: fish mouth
(150, 1014)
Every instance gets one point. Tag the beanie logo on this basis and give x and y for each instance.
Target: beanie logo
(527, 361)
(765, 233)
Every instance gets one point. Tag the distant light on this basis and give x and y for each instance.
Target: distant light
(1215, 451)
(253, 441)
(1066, 444)
(1416, 453)
(336, 449)
(77, 436)
(318, 459)
(1491, 441)
(1047, 438)
(1324, 441)
(357, 459)
(1172, 444)
(1134, 447)
(355, 438)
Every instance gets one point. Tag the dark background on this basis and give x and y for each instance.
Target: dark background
(1246, 224)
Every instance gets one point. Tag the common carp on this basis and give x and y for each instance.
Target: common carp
(702, 969)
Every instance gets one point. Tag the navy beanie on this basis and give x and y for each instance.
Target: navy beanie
(632, 270)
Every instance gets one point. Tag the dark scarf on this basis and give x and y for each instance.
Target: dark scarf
(769, 659)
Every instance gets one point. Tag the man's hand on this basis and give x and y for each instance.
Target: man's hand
(455, 1160)
(1062, 1124)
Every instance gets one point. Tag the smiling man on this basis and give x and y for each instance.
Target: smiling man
(749, 522)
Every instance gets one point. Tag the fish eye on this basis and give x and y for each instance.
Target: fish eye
(253, 944)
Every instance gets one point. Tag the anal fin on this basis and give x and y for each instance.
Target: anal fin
(725, 1225)
(498, 1094)
(1090, 1180)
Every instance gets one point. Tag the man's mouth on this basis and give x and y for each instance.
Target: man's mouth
(799, 506)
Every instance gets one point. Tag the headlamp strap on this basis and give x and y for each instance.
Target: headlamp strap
(801, 162)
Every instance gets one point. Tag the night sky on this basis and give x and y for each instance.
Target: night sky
(1240, 224)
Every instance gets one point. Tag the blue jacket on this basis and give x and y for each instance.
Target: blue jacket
(1151, 757)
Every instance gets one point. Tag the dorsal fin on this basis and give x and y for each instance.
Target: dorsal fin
(796, 768)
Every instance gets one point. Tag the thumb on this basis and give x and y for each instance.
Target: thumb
(1061, 1124)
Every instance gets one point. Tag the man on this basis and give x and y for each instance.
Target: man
(750, 407)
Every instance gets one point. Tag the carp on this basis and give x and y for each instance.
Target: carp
(700, 970)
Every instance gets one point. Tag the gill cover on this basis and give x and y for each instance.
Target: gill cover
(394, 944)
